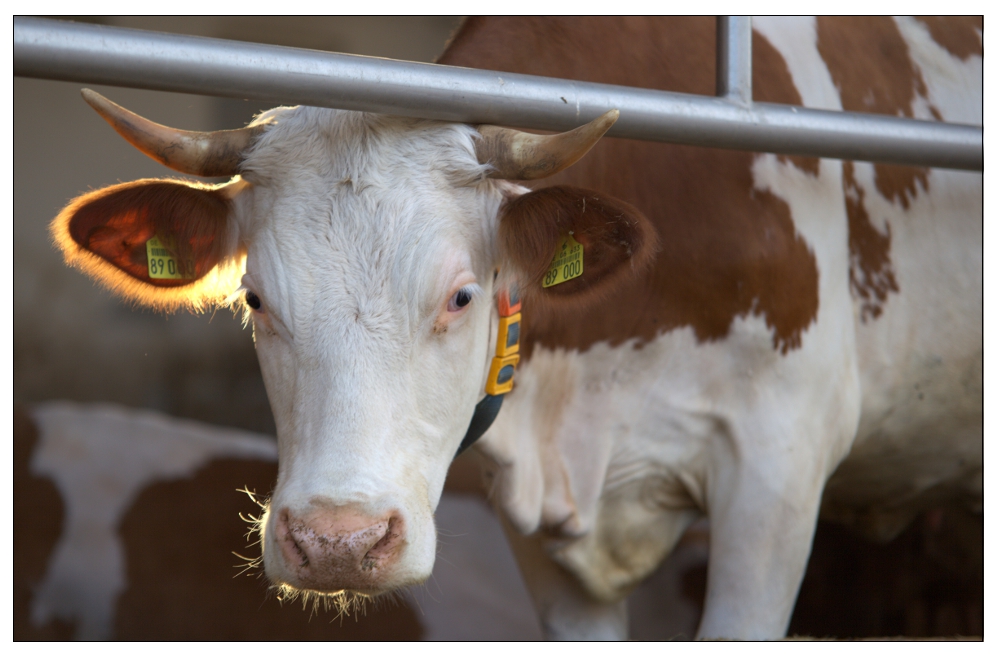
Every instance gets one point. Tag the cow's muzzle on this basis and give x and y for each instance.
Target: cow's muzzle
(335, 548)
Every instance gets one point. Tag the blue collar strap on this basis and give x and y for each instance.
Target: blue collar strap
(501, 379)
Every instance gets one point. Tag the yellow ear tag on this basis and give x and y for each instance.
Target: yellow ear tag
(162, 263)
(567, 263)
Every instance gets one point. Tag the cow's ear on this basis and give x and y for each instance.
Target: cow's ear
(161, 243)
(564, 242)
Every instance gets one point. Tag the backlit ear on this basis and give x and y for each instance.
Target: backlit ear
(161, 243)
(543, 233)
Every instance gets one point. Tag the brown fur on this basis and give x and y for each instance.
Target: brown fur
(38, 519)
(959, 35)
(104, 232)
(617, 239)
(870, 63)
(728, 249)
(871, 274)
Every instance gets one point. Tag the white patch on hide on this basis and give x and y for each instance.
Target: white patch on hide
(794, 37)
(954, 86)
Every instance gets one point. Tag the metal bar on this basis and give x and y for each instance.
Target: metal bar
(733, 60)
(150, 60)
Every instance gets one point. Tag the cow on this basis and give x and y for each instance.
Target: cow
(673, 331)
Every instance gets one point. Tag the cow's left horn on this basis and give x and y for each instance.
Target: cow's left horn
(207, 154)
(517, 155)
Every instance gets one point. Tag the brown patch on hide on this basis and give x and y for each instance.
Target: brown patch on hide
(870, 63)
(617, 240)
(180, 536)
(38, 519)
(898, 183)
(871, 275)
(772, 83)
(104, 232)
(959, 35)
(727, 250)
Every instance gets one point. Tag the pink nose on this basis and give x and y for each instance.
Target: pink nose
(334, 548)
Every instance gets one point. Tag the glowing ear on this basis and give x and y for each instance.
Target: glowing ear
(161, 243)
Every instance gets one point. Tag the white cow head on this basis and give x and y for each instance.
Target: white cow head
(366, 250)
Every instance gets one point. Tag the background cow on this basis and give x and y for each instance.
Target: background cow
(125, 525)
(778, 329)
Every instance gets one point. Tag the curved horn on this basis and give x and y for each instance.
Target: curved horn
(206, 154)
(517, 155)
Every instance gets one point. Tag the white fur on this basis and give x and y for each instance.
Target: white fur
(358, 230)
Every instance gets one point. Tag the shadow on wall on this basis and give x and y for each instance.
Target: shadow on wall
(73, 340)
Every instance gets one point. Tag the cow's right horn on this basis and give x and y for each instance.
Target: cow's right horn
(218, 153)
(517, 155)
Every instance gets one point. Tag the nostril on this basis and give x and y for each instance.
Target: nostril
(293, 551)
(386, 545)
(303, 557)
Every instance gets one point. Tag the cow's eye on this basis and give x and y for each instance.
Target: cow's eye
(252, 300)
(459, 300)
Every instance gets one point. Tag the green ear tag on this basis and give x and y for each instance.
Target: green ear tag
(567, 263)
(163, 265)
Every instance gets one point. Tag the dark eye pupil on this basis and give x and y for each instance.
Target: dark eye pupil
(462, 298)
(253, 300)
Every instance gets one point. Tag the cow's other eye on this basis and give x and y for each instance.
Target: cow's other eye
(459, 300)
(252, 300)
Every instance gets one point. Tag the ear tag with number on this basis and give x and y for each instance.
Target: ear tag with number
(567, 263)
(162, 263)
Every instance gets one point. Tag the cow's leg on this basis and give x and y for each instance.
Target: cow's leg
(763, 517)
(566, 611)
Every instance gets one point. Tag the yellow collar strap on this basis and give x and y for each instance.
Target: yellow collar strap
(501, 378)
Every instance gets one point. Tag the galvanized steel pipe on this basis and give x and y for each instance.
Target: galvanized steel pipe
(95, 54)
(734, 59)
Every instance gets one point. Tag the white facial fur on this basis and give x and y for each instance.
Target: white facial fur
(359, 229)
